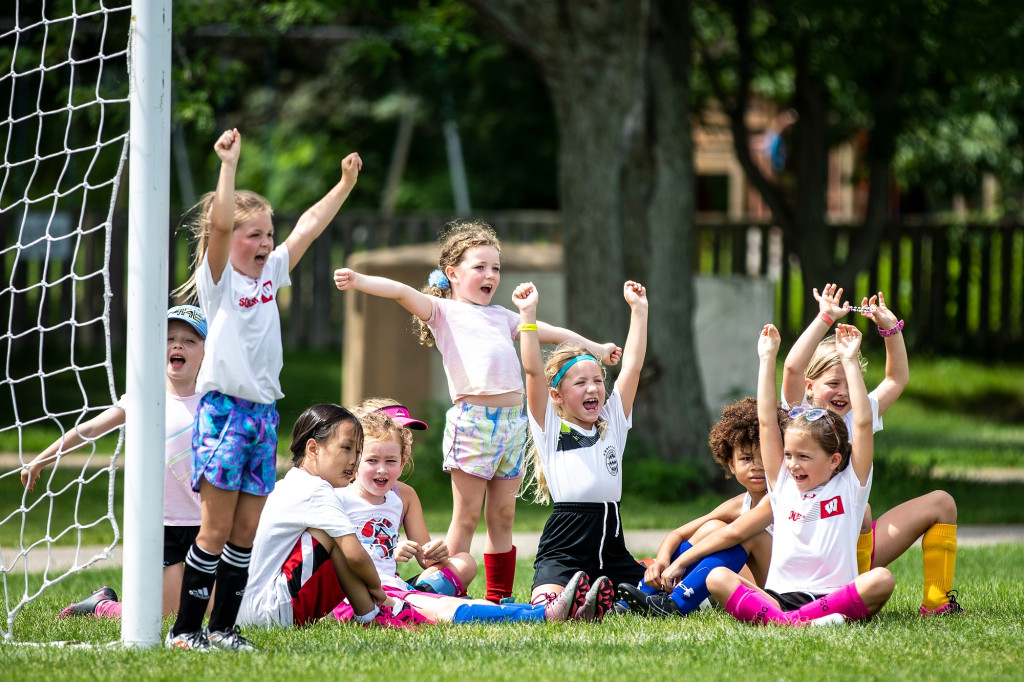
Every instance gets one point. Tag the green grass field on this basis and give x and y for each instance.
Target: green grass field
(897, 644)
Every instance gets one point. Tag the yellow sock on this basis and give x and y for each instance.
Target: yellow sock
(939, 546)
(865, 543)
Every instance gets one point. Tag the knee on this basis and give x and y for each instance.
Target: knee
(880, 583)
(944, 506)
(707, 528)
(718, 578)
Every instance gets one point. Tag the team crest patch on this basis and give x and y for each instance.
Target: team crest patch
(833, 507)
(611, 462)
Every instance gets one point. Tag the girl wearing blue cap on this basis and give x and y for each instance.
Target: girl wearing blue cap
(186, 337)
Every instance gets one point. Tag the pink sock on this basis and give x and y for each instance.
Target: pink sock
(343, 612)
(846, 600)
(108, 608)
(751, 606)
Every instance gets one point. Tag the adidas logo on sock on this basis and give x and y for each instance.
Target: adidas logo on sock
(201, 593)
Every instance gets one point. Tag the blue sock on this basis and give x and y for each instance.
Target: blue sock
(693, 589)
(494, 613)
(647, 589)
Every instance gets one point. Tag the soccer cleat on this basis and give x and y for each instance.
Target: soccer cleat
(386, 619)
(228, 640)
(947, 609)
(598, 600)
(830, 619)
(564, 605)
(659, 605)
(407, 614)
(188, 641)
(87, 607)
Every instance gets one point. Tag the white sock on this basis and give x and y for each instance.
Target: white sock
(367, 617)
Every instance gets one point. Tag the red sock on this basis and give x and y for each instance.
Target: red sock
(846, 600)
(500, 570)
(752, 606)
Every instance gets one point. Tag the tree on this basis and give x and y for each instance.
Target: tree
(618, 76)
(869, 66)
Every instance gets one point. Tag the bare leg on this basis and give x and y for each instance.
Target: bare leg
(500, 514)
(900, 527)
(722, 583)
(467, 501)
(218, 516)
(172, 588)
(246, 519)
(875, 587)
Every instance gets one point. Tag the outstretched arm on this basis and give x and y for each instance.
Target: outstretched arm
(848, 340)
(830, 310)
(104, 422)
(222, 211)
(727, 512)
(767, 407)
(897, 367)
(525, 297)
(312, 223)
(636, 345)
(416, 302)
(736, 533)
(608, 353)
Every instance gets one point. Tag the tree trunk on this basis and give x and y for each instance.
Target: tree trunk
(618, 73)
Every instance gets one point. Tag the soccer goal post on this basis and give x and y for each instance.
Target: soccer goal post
(84, 85)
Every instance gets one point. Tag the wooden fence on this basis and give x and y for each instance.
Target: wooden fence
(960, 287)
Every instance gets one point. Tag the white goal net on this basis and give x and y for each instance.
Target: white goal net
(64, 89)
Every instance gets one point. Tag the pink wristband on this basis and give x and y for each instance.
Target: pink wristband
(826, 318)
(896, 329)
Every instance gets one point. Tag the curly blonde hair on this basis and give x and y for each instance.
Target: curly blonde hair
(456, 238)
(380, 427)
(534, 476)
(247, 205)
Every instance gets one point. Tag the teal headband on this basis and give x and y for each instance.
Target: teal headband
(566, 366)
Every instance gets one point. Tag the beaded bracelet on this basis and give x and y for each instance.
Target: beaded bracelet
(896, 329)
(528, 327)
(826, 319)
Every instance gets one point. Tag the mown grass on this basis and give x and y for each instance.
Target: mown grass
(896, 644)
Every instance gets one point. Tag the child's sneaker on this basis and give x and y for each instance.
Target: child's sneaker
(947, 609)
(660, 604)
(565, 605)
(386, 619)
(87, 606)
(408, 614)
(229, 640)
(188, 641)
(598, 601)
(830, 619)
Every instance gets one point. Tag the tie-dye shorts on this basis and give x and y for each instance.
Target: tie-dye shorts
(487, 442)
(234, 445)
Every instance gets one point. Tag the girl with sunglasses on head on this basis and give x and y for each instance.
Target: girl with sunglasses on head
(814, 376)
(818, 484)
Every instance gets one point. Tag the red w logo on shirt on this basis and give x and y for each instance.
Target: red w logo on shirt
(268, 292)
(833, 507)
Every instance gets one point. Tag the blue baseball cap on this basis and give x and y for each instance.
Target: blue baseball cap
(191, 314)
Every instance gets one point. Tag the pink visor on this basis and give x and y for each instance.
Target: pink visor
(401, 415)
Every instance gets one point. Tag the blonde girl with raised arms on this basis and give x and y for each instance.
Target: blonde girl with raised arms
(485, 431)
(377, 512)
(818, 485)
(237, 275)
(578, 436)
(814, 376)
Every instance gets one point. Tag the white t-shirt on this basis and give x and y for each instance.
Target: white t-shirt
(181, 504)
(876, 419)
(243, 347)
(814, 543)
(299, 501)
(377, 529)
(477, 349)
(579, 465)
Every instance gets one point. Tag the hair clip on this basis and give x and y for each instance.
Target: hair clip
(438, 279)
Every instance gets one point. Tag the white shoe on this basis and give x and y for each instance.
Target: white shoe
(830, 619)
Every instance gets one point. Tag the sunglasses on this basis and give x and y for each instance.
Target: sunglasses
(814, 414)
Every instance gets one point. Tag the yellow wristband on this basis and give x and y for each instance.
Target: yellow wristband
(528, 327)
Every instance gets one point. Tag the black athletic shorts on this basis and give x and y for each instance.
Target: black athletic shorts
(177, 540)
(584, 536)
(791, 601)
